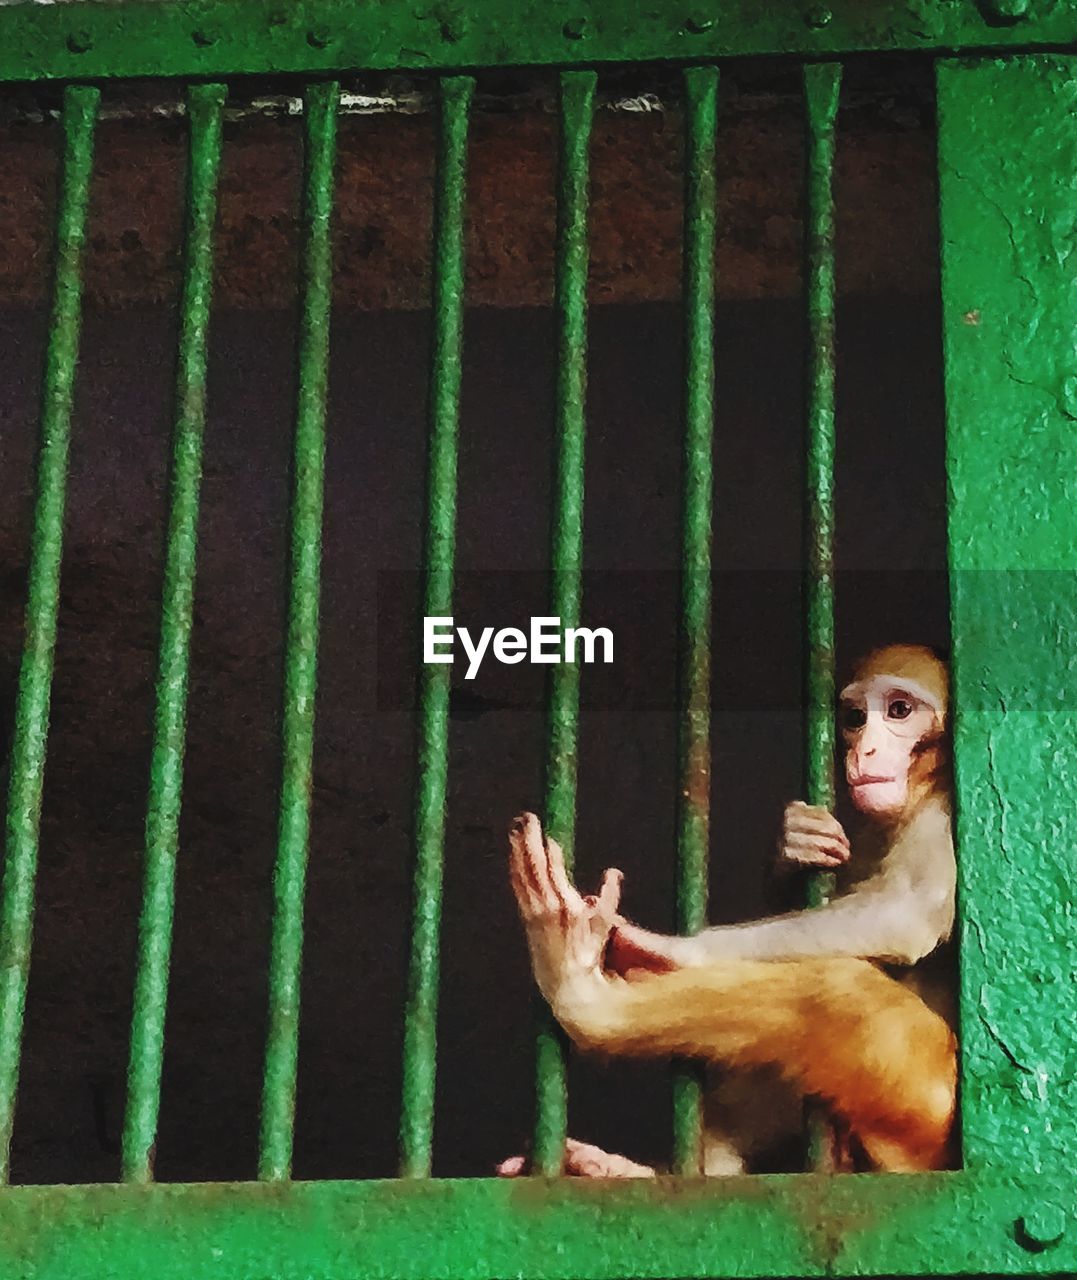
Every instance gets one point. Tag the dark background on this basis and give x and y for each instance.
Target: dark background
(891, 586)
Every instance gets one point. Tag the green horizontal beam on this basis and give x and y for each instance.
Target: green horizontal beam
(214, 38)
(482, 1229)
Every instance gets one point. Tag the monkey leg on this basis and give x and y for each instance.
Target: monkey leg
(839, 1029)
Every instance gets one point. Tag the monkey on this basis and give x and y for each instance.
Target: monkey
(895, 901)
(836, 1027)
(802, 1000)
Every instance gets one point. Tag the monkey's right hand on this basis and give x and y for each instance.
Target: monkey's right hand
(582, 1160)
(812, 837)
(567, 933)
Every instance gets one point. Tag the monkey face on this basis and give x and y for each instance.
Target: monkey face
(886, 723)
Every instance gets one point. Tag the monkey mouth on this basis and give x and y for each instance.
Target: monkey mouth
(869, 780)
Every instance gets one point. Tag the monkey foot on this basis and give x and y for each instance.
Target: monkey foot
(582, 1160)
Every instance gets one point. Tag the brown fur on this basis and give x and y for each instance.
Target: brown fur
(838, 1029)
(791, 993)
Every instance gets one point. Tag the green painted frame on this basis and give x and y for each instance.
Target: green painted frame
(1007, 153)
(87, 38)
(556, 1229)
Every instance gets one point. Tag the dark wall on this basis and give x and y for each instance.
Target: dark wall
(891, 559)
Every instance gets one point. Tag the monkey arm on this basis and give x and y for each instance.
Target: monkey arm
(896, 924)
(899, 915)
(837, 1028)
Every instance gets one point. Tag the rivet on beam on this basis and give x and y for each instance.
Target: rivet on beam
(1041, 1227)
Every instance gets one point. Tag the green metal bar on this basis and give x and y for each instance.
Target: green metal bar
(701, 107)
(822, 84)
(1007, 153)
(218, 38)
(432, 753)
(29, 742)
(477, 1228)
(205, 105)
(566, 552)
(300, 675)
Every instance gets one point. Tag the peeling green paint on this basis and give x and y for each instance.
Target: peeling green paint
(439, 559)
(301, 641)
(697, 502)
(822, 85)
(822, 89)
(577, 108)
(29, 741)
(1008, 156)
(565, 1229)
(213, 38)
(1007, 165)
(205, 107)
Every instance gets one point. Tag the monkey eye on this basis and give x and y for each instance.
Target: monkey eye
(899, 709)
(853, 717)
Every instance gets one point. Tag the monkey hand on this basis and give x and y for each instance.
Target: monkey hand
(567, 933)
(633, 951)
(582, 1160)
(812, 837)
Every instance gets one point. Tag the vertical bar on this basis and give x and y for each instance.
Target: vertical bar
(566, 555)
(693, 822)
(46, 549)
(822, 83)
(1007, 143)
(205, 104)
(301, 653)
(432, 748)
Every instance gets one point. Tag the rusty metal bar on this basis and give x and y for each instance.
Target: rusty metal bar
(577, 101)
(301, 652)
(693, 819)
(822, 84)
(432, 755)
(205, 106)
(28, 748)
